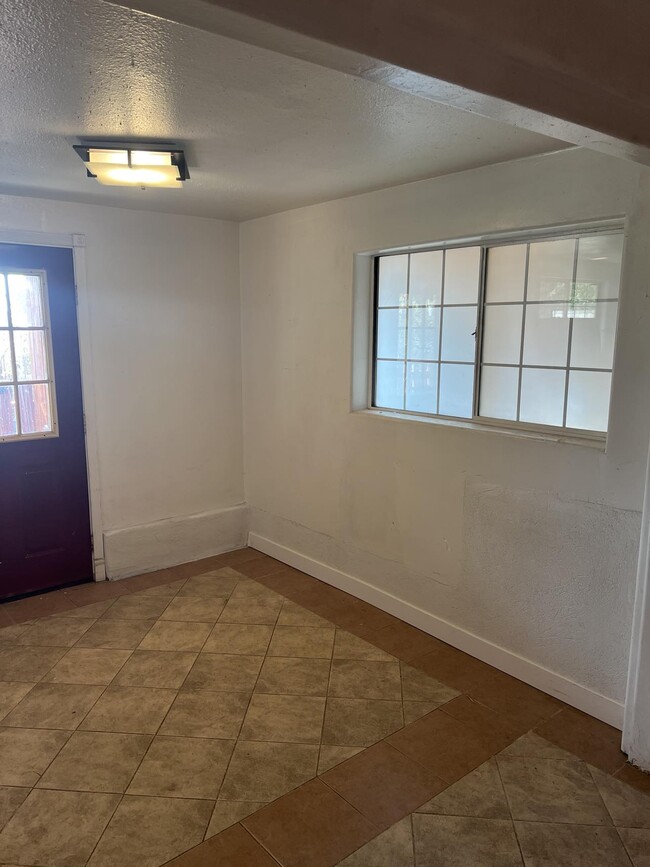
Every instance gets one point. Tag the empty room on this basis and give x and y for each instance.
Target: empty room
(324, 433)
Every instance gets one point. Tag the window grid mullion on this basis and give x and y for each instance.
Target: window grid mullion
(476, 397)
(442, 312)
(14, 369)
(406, 334)
(570, 341)
(523, 334)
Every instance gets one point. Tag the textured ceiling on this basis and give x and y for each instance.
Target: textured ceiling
(263, 132)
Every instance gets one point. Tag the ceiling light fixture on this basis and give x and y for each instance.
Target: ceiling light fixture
(141, 165)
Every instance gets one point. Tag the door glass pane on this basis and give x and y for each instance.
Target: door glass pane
(459, 333)
(425, 279)
(506, 273)
(393, 278)
(25, 300)
(424, 333)
(499, 386)
(592, 343)
(546, 341)
(4, 319)
(502, 334)
(31, 357)
(588, 400)
(391, 333)
(389, 388)
(542, 396)
(8, 422)
(35, 415)
(421, 387)
(6, 374)
(599, 266)
(462, 271)
(456, 389)
(550, 270)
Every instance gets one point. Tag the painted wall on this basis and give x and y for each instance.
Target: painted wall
(164, 344)
(530, 545)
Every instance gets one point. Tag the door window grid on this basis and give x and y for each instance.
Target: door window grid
(27, 395)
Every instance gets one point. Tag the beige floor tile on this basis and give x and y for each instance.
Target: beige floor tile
(28, 664)
(265, 771)
(210, 584)
(480, 794)
(161, 668)
(331, 756)
(173, 635)
(11, 797)
(168, 590)
(414, 710)
(306, 641)
(244, 610)
(26, 753)
(637, 843)
(532, 746)
(11, 634)
(544, 844)
(361, 678)
(627, 807)
(54, 706)
(360, 722)
(129, 709)
(419, 686)
(348, 646)
(89, 612)
(116, 634)
(248, 639)
(96, 762)
(136, 608)
(294, 676)
(393, 848)
(284, 719)
(56, 829)
(56, 632)
(148, 832)
(224, 672)
(295, 615)
(454, 841)
(551, 790)
(227, 813)
(194, 609)
(247, 588)
(183, 768)
(10, 695)
(203, 714)
(89, 665)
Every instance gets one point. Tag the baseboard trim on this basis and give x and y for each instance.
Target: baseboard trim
(581, 697)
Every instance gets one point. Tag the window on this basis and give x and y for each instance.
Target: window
(26, 379)
(520, 333)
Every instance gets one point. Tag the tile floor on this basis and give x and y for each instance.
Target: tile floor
(243, 713)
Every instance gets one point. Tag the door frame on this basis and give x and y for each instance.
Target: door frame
(77, 244)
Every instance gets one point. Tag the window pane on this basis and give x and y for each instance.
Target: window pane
(506, 273)
(421, 387)
(588, 401)
(502, 334)
(592, 343)
(424, 333)
(458, 333)
(550, 270)
(6, 374)
(456, 389)
(599, 266)
(462, 267)
(4, 319)
(393, 277)
(425, 279)
(35, 414)
(391, 333)
(542, 396)
(547, 334)
(389, 388)
(25, 300)
(31, 357)
(499, 386)
(8, 423)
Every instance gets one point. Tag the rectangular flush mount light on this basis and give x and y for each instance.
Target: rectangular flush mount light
(134, 166)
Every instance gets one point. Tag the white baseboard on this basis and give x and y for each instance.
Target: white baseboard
(148, 547)
(593, 703)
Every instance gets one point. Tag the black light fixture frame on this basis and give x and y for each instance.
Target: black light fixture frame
(177, 155)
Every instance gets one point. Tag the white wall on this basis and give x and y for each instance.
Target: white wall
(525, 544)
(164, 329)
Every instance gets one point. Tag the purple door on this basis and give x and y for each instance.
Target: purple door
(45, 538)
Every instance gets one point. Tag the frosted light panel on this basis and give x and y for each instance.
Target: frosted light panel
(458, 333)
(421, 387)
(550, 270)
(546, 340)
(4, 317)
(599, 266)
(389, 389)
(456, 390)
(499, 388)
(542, 396)
(391, 333)
(35, 416)
(462, 275)
(424, 333)
(592, 342)
(31, 356)
(502, 334)
(8, 420)
(393, 280)
(506, 274)
(425, 279)
(25, 300)
(6, 373)
(588, 401)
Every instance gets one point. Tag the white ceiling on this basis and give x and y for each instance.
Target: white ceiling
(263, 132)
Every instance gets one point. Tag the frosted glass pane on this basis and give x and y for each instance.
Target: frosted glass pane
(599, 267)
(499, 386)
(462, 271)
(6, 374)
(25, 300)
(31, 358)
(424, 333)
(4, 319)
(550, 270)
(391, 333)
(592, 343)
(456, 389)
(502, 334)
(8, 423)
(34, 408)
(506, 273)
(546, 340)
(389, 388)
(542, 396)
(588, 402)
(393, 279)
(458, 333)
(421, 387)
(425, 279)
